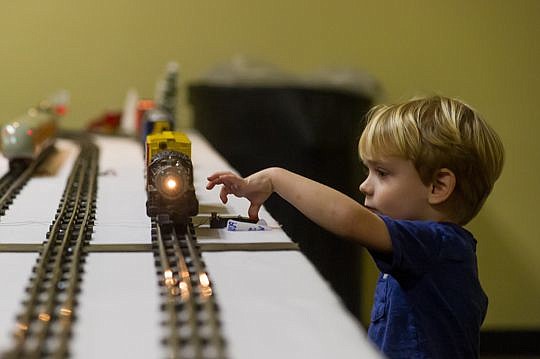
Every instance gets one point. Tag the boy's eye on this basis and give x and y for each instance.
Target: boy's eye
(381, 173)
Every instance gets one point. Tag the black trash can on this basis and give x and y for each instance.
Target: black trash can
(310, 131)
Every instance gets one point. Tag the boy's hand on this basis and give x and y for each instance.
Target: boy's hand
(256, 188)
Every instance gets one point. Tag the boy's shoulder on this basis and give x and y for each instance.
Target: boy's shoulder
(418, 245)
(445, 231)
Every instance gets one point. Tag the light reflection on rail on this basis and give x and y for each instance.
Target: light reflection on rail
(192, 317)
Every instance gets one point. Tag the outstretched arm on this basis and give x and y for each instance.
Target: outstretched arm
(325, 206)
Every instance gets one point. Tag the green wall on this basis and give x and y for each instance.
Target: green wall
(485, 52)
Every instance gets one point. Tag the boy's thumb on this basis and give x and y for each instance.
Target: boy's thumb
(253, 211)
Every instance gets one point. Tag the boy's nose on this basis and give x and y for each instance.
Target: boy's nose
(364, 187)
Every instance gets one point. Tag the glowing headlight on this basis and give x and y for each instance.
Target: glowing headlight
(171, 182)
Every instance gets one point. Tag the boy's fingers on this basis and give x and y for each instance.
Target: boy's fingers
(216, 175)
(253, 211)
(212, 184)
(214, 180)
(223, 194)
(225, 178)
(232, 181)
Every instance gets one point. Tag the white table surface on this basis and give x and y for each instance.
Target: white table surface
(272, 304)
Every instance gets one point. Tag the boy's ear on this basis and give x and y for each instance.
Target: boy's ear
(442, 187)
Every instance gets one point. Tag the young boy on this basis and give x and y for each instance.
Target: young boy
(431, 164)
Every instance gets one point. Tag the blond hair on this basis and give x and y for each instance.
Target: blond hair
(439, 132)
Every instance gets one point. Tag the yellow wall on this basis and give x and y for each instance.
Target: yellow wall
(485, 52)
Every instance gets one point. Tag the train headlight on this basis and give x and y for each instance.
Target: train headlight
(171, 182)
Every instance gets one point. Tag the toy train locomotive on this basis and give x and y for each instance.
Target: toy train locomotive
(169, 170)
(26, 137)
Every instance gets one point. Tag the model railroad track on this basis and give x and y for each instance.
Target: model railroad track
(13, 181)
(44, 325)
(190, 312)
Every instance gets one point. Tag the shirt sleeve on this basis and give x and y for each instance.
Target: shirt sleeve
(415, 245)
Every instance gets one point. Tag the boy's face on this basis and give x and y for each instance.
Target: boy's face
(394, 188)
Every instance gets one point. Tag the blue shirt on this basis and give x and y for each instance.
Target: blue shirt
(428, 300)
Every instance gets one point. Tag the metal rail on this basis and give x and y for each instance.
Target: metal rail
(191, 317)
(13, 181)
(7, 180)
(44, 325)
